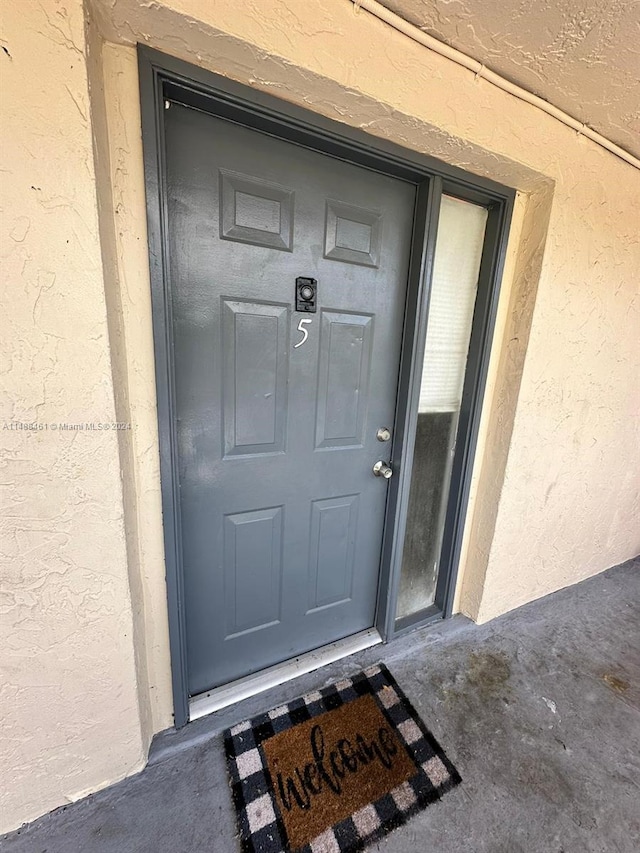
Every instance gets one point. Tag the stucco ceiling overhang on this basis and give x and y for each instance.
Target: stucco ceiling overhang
(582, 56)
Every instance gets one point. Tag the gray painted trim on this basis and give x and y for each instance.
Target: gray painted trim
(163, 77)
(410, 623)
(484, 320)
(153, 151)
(412, 354)
(216, 94)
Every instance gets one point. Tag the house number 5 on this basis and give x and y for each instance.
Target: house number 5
(305, 334)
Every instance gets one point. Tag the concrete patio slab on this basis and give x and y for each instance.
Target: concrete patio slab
(539, 710)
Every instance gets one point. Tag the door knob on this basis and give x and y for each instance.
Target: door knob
(381, 469)
(383, 434)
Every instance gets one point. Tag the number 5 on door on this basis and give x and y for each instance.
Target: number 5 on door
(305, 333)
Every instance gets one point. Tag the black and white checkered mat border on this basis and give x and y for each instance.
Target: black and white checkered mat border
(260, 825)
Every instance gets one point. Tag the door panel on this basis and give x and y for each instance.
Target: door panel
(281, 516)
(253, 598)
(256, 361)
(332, 550)
(343, 378)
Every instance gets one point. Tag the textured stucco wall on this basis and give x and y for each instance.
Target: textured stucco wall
(581, 55)
(555, 494)
(570, 501)
(68, 687)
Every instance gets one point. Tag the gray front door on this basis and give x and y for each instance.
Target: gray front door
(276, 420)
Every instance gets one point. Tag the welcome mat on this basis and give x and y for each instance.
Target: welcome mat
(335, 770)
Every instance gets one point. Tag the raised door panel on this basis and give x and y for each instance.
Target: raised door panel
(252, 570)
(255, 340)
(352, 234)
(255, 211)
(332, 547)
(343, 379)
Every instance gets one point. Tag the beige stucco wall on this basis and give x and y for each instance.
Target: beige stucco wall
(69, 699)
(556, 493)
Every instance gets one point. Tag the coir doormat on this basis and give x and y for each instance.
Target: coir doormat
(335, 770)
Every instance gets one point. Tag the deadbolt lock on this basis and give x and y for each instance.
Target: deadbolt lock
(383, 434)
(381, 469)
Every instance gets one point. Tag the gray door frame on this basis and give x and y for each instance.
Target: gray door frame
(164, 78)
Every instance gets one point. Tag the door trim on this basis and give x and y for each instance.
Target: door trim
(164, 79)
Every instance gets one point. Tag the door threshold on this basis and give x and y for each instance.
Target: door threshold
(243, 688)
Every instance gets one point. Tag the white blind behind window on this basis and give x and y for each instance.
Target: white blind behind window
(453, 295)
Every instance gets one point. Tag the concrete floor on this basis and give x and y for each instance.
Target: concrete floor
(539, 710)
